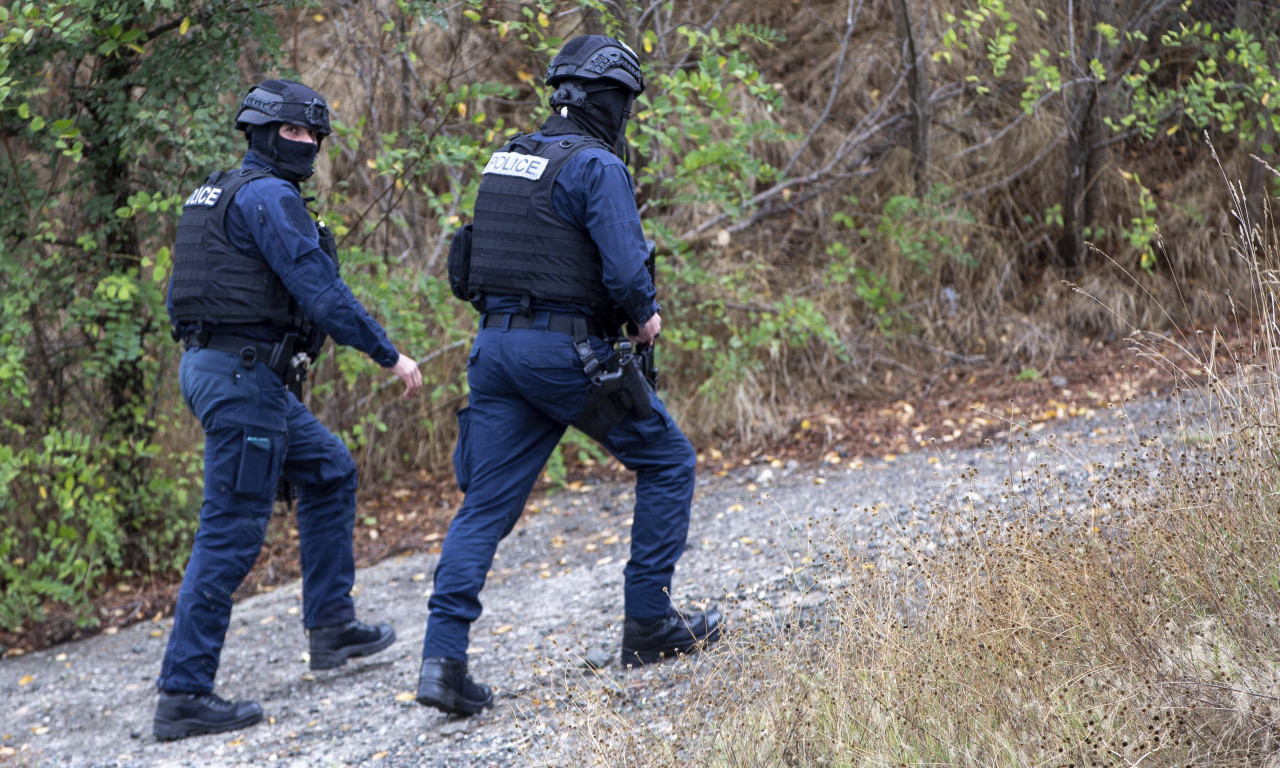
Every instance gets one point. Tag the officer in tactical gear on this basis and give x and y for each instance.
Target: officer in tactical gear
(557, 265)
(255, 283)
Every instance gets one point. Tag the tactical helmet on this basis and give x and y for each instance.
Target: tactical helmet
(596, 57)
(284, 101)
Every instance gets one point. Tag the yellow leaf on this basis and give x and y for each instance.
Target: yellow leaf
(543, 20)
(524, 76)
(1174, 129)
(806, 424)
(185, 25)
(26, 680)
(319, 17)
(504, 629)
(462, 109)
(43, 493)
(404, 696)
(379, 755)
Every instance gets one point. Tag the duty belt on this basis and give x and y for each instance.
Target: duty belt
(555, 323)
(275, 355)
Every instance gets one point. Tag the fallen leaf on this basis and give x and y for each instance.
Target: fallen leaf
(26, 680)
(404, 696)
(504, 629)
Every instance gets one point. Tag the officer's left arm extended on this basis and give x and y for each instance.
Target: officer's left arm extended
(599, 197)
(274, 218)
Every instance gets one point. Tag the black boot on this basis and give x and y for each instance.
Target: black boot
(179, 715)
(445, 685)
(332, 646)
(651, 640)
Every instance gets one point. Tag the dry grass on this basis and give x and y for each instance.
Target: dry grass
(1129, 620)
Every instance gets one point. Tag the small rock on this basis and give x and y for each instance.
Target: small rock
(455, 726)
(1058, 381)
(597, 659)
(135, 734)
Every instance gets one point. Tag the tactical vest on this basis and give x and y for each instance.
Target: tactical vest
(519, 246)
(215, 282)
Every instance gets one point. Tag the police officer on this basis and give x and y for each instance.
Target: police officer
(255, 284)
(557, 260)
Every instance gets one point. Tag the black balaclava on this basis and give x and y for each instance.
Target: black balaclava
(603, 116)
(293, 161)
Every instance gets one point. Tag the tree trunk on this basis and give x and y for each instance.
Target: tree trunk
(1084, 159)
(918, 87)
(1252, 17)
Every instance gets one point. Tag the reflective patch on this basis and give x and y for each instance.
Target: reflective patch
(515, 164)
(206, 196)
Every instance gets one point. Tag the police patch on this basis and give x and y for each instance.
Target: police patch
(207, 196)
(515, 164)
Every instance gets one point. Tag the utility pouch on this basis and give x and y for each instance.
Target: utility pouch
(459, 266)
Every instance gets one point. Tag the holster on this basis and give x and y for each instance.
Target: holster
(618, 389)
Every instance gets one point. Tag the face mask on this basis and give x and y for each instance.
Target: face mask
(292, 160)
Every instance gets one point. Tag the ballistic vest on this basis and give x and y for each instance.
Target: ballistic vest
(215, 282)
(519, 246)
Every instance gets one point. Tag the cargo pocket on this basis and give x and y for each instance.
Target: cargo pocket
(462, 450)
(256, 460)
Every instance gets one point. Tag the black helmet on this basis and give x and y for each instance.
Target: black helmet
(596, 57)
(284, 101)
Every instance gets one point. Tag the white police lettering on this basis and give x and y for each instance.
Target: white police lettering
(206, 196)
(515, 164)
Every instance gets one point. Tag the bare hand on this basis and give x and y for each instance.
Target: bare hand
(406, 369)
(649, 331)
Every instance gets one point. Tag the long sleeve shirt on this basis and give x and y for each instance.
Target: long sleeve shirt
(594, 192)
(268, 218)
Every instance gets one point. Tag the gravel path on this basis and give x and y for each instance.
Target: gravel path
(553, 602)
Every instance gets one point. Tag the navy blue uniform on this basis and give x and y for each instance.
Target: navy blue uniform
(256, 430)
(527, 385)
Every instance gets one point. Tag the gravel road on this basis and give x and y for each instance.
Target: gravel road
(553, 603)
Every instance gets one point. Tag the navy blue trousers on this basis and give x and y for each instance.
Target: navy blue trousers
(254, 430)
(527, 386)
